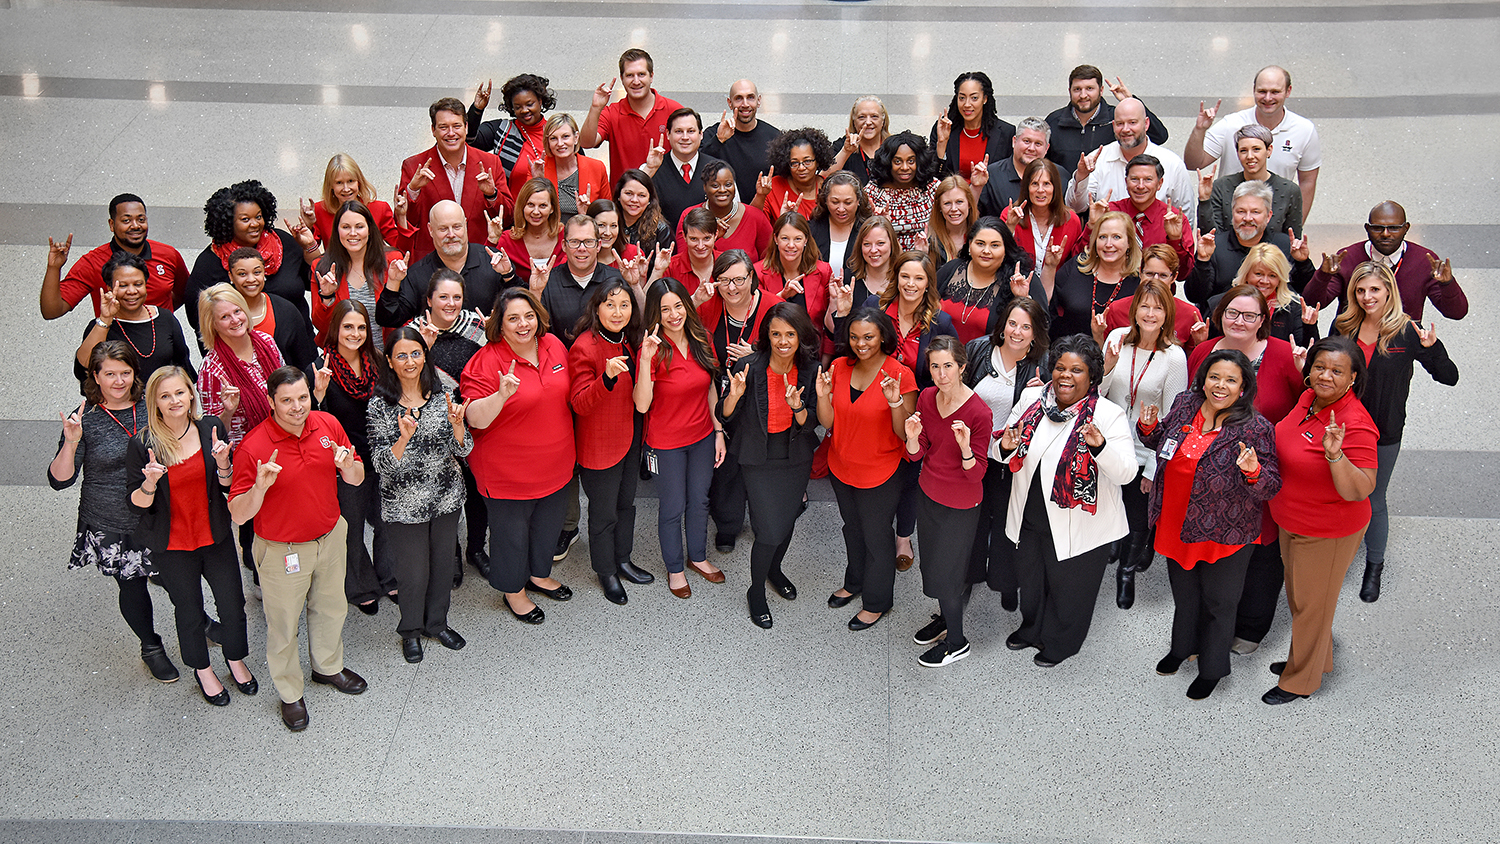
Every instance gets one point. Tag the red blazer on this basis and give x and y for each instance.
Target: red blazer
(385, 219)
(520, 259)
(603, 416)
(712, 311)
(474, 204)
(322, 311)
(592, 178)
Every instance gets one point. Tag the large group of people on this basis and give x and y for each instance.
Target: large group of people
(1037, 349)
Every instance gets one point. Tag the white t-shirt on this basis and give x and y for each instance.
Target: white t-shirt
(1294, 144)
(835, 258)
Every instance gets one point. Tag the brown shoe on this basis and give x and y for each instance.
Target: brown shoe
(708, 574)
(683, 591)
(345, 681)
(294, 715)
(904, 562)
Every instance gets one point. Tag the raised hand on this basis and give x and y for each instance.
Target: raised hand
(944, 130)
(725, 130)
(1299, 356)
(328, 283)
(397, 270)
(842, 297)
(1099, 330)
(1099, 207)
(1299, 246)
(1092, 435)
(790, 203)
(616, 366)
(1331, 262)
(73, 423)
(823, 384)
(428, 331)
(109, 308)
(735, 351)
(794, 397)
(1014, 213)
(633, 269)
(650, 345)
(763, 184)
(1206, 182)
(406, 423)
(456, 414)
(1427, 335)
(891, 388)
(923, 242)
(539, 274)
(1442, 271)
(265, 473)
(500, 261)
(538, 168)
(309, 214)
(1118, 89)
(1333, 438)
(482, 94)
(1248, 462)
(723, 225)
(1020, 285)
(343, 457)
(1199, 332)
(603, 93)
(218, 449)
(851, 143)
(1171, 225)
(737, 385)
(1310, 313)
(486, 181)
(1149, 416)
(1009, 439)
(421, 179)
(704, 292)
(913, 426)
(494, 227)
(509, 383)
(303, 235)
(1111, 348)
(582, 198)
(979, 175)
(1206, 245)
(656, 154)
(962, 435)
(1086, 162)
(1206, 116)
(322, 377)
(1052, 257)
(229, 399)
(57, 253)
(399, 205)
(152, 470)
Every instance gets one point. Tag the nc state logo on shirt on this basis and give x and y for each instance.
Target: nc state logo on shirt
(327, 443)
(161, 270)
(1286, 145)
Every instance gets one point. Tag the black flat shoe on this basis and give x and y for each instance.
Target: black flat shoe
(784, 588)
(480, 561)
(634, 573)
(411, 648)
(856, 623)
(449, 638)
(1277, 668)
(561, 593)
(220, 699)
(1201, 688)
(761, 620)
(1169, 665)
(1277, 696)
(836, 600)
(1044, 663)
(370, 608)
(1016, 643)
(249, 687)
(536, 616)
(1369, 591)
(615, 592)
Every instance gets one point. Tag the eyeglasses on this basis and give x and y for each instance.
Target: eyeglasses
(575, 243)
(1247, 317)
(407, 357)
(734, 281)
(802, 165)
(1155, 276)
(1374, 229)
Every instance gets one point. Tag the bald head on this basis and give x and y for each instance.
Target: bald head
(1387, 227)
(744, 104)
(449, 230)
(1130, 126)
(1275, 75)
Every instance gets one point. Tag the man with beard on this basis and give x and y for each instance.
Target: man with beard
(1100, 175)
(1419, 273)
(1084, 124)
(1215, 271)
(485, 271)
(741, 138)
(166, 276)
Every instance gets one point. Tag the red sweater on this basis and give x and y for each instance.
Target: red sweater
(944, 479)
(604, 412)
(1278, 384)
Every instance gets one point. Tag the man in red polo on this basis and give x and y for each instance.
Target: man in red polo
(452, 169)
(635, 122)
(1155, 221)
(166, 276)
(285, 478)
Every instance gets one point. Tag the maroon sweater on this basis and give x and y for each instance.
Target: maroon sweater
(944, 479)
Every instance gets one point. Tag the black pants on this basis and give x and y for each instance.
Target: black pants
(424, 572)
(1261, 593)
(476, 516)
(183, 573)
(365, 578)
(869, 541)
(993, 557)
(135, 608)
(1136, 502)
(946, 535)
(611, 494)
(727, 498)
(906, 507)
(523, 536)
(774, 489)
(1057, 596)
(1206, 599)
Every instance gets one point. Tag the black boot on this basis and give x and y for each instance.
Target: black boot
(1116, 551)
(1370, 591)
(1125, 574)
(1144, 554)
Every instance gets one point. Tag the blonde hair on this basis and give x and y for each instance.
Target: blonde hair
(164, 441)
(1088, 262)
(937, 224)
(344, 163)
(1391, 322)
(885, 116)
(221, 292)
(559, 119)
(1268, 255)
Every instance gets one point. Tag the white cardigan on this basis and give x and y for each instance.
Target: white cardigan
(1160, 381)
(1073, 530)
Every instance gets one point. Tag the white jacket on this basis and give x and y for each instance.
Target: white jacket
(1073, 530)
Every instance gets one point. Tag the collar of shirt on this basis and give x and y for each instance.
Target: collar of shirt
(1390, 261)
(692, 163)
(463, 160)
(280, 434)
(116, 249)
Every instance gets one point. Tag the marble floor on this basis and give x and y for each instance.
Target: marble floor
(672, 721)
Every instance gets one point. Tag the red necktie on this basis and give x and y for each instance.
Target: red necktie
(687, 173)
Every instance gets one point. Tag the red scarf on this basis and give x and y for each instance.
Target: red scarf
(269, 248)
(1076, 483)
(253, 399)
(357, 387)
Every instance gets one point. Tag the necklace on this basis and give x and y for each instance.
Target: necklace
(965, 309)
(134, 424)
(975, 134)
(151, 325)
(1094, 304)
(1134, 382)
(185, 430)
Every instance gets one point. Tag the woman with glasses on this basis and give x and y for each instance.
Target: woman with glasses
(797, 158)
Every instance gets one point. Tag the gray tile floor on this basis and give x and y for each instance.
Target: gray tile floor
(678, 721)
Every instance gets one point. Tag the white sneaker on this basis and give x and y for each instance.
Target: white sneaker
(1244, 646)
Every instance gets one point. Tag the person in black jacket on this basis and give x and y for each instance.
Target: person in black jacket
(971, 115)
(190, 539)
(244, 214)
(1087, 122)
(1391, 343)
(773, 433)
(1001, 365)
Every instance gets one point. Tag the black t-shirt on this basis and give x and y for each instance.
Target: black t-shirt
(745, 153)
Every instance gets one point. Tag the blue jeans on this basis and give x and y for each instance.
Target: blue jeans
(683, 476)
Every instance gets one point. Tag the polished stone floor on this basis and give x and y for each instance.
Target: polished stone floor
(671, 721)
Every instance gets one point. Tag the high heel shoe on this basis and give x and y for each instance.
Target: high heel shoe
(220, 699)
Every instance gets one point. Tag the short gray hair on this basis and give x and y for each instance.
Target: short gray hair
(1254, 188)
(1253, 130)
(1035, 124)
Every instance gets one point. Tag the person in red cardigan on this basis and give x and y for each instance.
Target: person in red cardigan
(452, 170)
(607, 430)
(565, 166)
(344, 181)
(793, 270)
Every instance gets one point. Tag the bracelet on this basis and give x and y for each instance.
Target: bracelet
(151, 491)
(963, 459)
(893, 406)
(1334, 460)
(72, 442)
(798, 409)
(229, 471)
(719, 431)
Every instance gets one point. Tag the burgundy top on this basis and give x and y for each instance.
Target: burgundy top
(944, 479)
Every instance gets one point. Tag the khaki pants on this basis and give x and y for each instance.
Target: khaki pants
(319, 585)
(1315, 569)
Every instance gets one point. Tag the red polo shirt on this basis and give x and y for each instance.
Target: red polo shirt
(303, 504)
(680, 412)
(1312, 505)
(630, 136)
(166, 279)
(527, 453)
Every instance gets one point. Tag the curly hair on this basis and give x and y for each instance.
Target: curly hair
(779, 151)
(1083, 346)
(538, 85)
(218, 212)
(988, 116)
(927, 160)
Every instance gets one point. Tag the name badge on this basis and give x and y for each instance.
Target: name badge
(1168, 449)
(557, 367)
(293, 563)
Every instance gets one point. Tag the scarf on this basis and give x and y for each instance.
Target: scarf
(269, 248)
(356, 387)
(253, 400)
(1077, 481)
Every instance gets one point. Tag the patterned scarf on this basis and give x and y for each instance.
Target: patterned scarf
(253, 399)
(269, 248)
(1077, 481)
(357, 387)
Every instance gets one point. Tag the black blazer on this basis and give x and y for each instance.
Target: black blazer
(675, 195)
(823, 239)
(997, 146)
(747, 440)
(293, 333)
(155, 528)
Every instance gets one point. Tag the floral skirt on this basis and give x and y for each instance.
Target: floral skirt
(115, 554)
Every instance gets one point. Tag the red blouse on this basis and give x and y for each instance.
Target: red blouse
(778, 412)
(1311, 505)
(527, 452)
(1174, 500)
(604, 423)
(970, 151)
(680, 413)
(520, 259)
(189, 480)
(865, 450)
